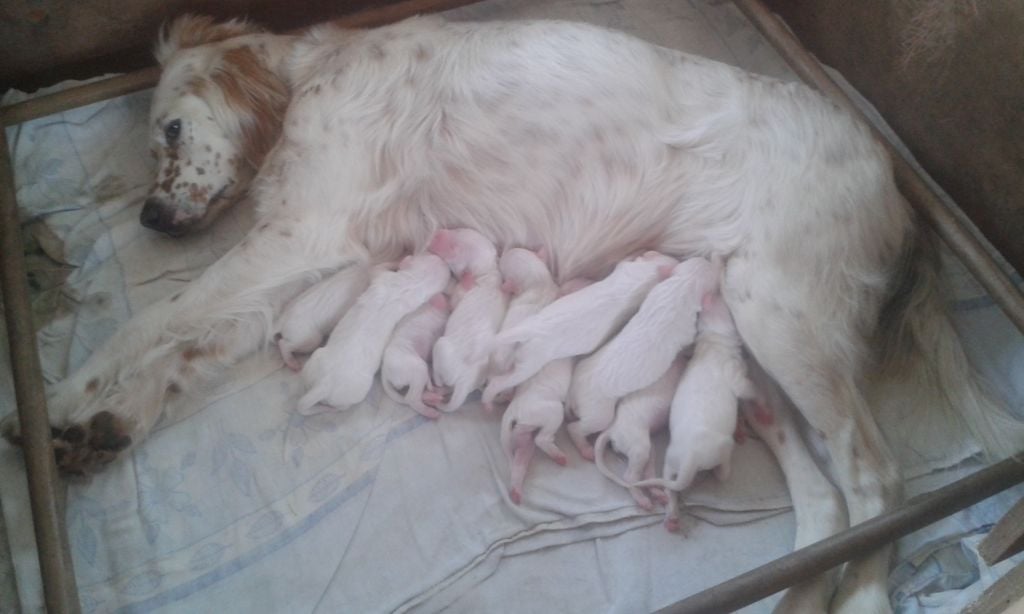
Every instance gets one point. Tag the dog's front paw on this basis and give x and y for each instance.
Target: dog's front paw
(81, 449)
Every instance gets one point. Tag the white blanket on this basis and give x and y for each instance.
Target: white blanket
(238, 503)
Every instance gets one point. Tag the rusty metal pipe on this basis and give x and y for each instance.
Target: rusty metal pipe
(857, 541)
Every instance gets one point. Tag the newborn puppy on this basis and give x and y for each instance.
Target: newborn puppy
(462, 355)
(641, 352)
(639, 414)
(702, 420)
(577, 323)
(311, 315)
(529, 284)
(405, 359)
(533, 418)
(340, 374)
(536, 412)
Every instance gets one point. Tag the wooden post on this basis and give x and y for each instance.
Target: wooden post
(51, 540)
(147, 77)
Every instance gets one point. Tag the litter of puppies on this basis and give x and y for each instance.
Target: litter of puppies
(650, 345)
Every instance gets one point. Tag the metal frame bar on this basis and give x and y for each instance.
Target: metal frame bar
(55, 563)
(821, 556)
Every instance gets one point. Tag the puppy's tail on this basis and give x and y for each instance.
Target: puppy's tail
(924, 367)
(389, 389)
(508, 421)
(677, 485)
(600, 446)
(309, 403)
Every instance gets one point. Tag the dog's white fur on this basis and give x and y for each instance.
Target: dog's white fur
(637, 416)
(307, 319)
(340, 374)
(405, 362)
(641, 351)
(586, 141)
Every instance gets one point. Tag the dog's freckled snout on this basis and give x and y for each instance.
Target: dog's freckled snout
(157, 215)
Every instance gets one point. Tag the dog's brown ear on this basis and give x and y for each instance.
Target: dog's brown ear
(194, 30)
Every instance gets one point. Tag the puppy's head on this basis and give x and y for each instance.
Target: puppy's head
(215, 113)
(464, 250)
(522, 269)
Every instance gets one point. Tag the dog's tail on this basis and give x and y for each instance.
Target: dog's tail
(310, 403)
(600, 447)
(924, 368)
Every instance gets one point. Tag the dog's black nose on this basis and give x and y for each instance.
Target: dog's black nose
(152, 215)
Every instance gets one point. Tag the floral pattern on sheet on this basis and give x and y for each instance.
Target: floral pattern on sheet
(161, 492)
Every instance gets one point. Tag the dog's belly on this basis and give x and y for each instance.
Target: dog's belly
(589, 143)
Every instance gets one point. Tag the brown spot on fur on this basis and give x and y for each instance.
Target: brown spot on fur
(92, 385)
(200, 170)
(257, 95)
(263, 226)
(198, 194)
(173, 388)
(176, 297)
(191, 353)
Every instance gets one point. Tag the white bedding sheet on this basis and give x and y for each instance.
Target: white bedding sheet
(237, 503)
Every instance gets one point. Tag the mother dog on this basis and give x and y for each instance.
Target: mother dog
(358, 145)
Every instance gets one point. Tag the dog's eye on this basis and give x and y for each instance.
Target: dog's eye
(172, 130)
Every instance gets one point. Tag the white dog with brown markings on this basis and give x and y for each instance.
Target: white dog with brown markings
(589, 142)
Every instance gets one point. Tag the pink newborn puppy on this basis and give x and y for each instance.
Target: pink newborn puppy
(405, 359)
(462, 355)
(642, 351)
(639, 414)
(702, 420)
(536, 412)
(310, 316)
(578, 323)
(533, 418)
(340, 374)
(530, 286)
